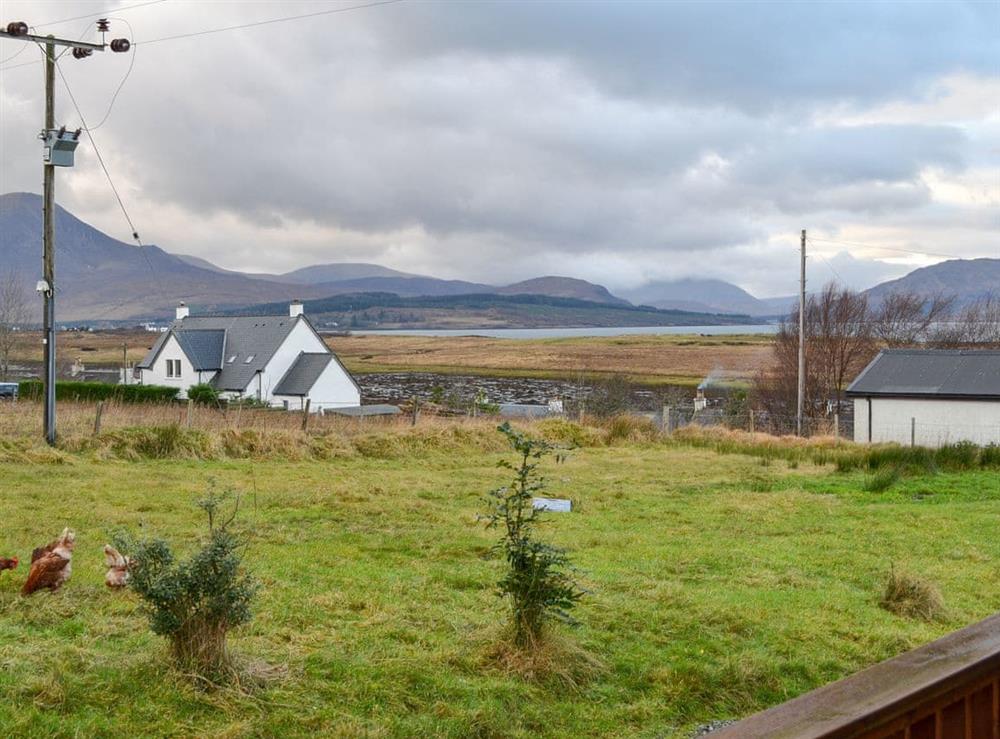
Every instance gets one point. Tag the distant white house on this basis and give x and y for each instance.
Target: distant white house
(928, 397)
(279, 360)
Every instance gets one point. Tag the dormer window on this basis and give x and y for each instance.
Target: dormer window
(249, 359)
(231, 359)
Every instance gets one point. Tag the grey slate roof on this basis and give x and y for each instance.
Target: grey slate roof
(931, 373)
(203, 347)
(253, 338)
(303, 373)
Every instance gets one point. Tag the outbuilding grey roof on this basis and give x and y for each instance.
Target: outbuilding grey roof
(303, 373)
(940, 373)
(365, 411)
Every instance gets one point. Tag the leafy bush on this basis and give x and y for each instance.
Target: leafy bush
(536, 581)
(92, 391)
(203, 394)
(195, 603)
(912, 597)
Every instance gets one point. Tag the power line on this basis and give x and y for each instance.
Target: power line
(101, 14)
(886, 248)
(100, 159)
(270, 21)
(255, 24)
(121, 84)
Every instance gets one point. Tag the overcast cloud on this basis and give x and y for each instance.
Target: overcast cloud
(618, 142)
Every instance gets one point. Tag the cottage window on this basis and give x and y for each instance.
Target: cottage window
(173, 368)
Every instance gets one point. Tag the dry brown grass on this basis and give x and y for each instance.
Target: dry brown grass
(650, 358)
(910, 596)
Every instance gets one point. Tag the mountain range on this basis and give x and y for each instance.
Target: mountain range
(102, 279)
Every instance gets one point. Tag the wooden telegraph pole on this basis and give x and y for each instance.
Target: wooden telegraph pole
(802, 337)
(59, 146)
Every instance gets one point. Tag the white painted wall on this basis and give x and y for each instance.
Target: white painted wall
(333, 389)
(300, 339)
(937, 422)
(157, 374)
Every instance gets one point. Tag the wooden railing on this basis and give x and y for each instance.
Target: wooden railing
(948, 689)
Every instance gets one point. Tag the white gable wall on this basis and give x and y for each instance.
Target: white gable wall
(300, 339)
(932, 422)
(332, 389)
(157, 373)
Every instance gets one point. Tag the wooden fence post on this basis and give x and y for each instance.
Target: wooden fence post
(305, 414)
(97, 418)
(416, 411)
(190, 405)
(751, 421)
(913, 431)
(836, 427)
(668, 419)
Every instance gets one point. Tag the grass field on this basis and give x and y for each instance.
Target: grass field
(666, 359)
(719, 584)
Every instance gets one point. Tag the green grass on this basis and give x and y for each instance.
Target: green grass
(717, 588)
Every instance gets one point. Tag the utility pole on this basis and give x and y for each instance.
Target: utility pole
(802, 337)
(48, 252)
(59, 146)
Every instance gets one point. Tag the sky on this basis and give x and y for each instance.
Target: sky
(618, 142)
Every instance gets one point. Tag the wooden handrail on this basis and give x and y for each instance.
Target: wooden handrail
(948, 688)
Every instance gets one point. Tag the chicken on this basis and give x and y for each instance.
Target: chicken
(51, 564)
(8, 563)
(117, 575)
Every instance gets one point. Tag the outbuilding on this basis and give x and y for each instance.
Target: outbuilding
(928, 397)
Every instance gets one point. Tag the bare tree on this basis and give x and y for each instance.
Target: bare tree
(906, 318)
(977, 325)
(839, 343)
(13, 315)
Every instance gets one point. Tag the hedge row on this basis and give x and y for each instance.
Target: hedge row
(32, 390)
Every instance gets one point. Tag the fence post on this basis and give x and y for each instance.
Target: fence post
(668, 419)
(239, 412)
(305, 414)
(836, 427)
(416, 411)
(663, 418)
(97, 418)
(190, 405)
(752, 429)
(913, 431)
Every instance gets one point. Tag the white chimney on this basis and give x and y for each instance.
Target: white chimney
(295, 308)
(182, 310)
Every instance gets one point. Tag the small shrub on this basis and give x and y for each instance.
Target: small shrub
(625, 429)
(195, 603)
(912, 597)
(566, 432)
(881, 480)
(536, 581)
(908, 459)
(203, 394)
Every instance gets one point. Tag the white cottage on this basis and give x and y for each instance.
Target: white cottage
(279, 360)
(928, 397)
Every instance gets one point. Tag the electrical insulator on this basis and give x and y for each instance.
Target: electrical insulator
(103, 26)
(79, 53)
(17, 28)
(120, 44)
